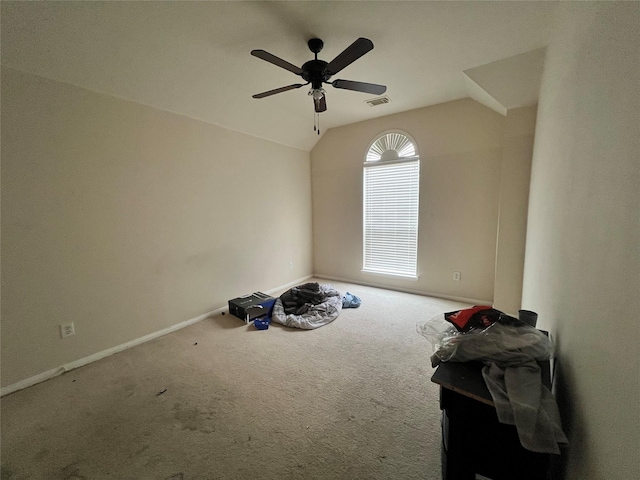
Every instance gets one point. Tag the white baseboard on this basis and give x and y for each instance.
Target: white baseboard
(41, 377)
(472, 301)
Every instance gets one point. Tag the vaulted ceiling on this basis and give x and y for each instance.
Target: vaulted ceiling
(193, 58)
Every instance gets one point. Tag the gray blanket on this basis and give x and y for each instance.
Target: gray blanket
(510, 354)
(308, 307)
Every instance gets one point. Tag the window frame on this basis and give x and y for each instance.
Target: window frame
(411, 222)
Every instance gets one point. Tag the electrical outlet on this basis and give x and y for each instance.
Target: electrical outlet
(67, 329)
(290, 265)
(456, 276)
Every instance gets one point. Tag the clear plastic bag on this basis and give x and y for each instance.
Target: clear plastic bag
(507, 338)
(435, 330)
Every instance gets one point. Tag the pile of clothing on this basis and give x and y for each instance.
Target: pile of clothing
(300, 299)
(307, 306)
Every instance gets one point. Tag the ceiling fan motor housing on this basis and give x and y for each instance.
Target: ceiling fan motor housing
(315, 72)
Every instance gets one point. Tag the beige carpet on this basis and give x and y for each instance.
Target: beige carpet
(351, 400)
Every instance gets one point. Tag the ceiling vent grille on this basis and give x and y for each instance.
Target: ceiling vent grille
(374, 102)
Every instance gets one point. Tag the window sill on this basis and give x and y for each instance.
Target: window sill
(394, 275)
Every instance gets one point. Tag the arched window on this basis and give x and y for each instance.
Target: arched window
(391, 193)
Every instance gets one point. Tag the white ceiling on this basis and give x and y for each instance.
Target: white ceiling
(192, 58)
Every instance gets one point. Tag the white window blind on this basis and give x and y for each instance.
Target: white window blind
(391, 194)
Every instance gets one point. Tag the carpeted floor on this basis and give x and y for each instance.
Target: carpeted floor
(221, 400)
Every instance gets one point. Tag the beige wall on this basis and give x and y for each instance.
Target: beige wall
(126, 220)
(460, 146)
(520, 125)
(582, 264)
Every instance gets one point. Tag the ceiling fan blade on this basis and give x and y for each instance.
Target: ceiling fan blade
(321, 105)
(276, 61)
(279, 90)
(360, 86)
(350, 55)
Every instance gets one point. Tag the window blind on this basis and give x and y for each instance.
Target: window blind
(391, 218)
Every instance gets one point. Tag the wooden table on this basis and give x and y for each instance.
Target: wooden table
(473, 440)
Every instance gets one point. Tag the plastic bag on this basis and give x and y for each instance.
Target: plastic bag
(444, 337)
(506, 337)
(435, 330)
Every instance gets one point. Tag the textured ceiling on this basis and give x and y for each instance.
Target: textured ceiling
(192, 58)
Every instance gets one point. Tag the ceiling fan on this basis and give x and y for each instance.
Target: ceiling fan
(316, 72)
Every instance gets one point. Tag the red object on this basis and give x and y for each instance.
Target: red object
(478, 316)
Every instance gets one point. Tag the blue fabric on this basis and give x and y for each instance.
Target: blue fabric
(350, 301)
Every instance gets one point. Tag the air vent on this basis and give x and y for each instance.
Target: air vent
(374, 102)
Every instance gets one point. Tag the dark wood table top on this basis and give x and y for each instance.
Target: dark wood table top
(466, 378)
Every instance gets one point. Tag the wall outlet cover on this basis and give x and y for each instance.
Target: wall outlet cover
(67, 329)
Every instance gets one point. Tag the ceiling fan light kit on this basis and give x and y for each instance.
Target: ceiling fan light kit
(318, 72)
